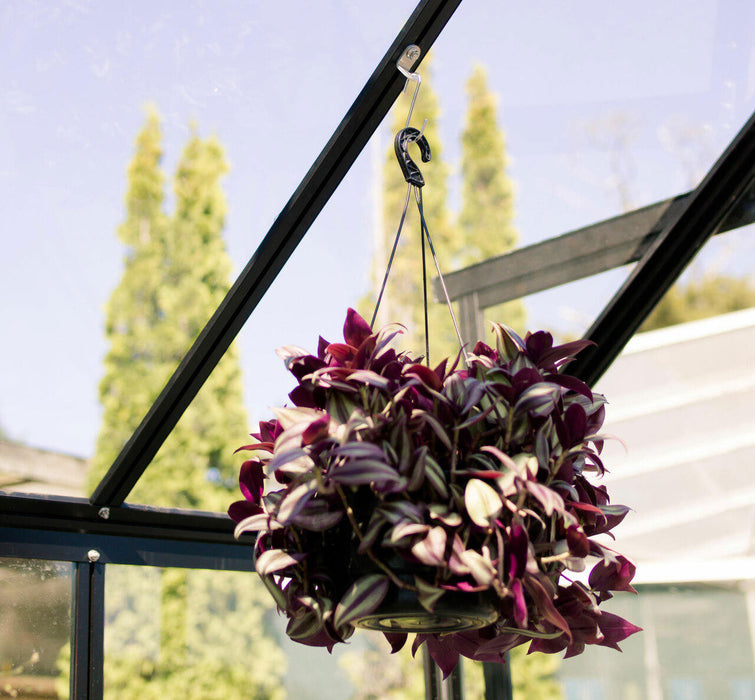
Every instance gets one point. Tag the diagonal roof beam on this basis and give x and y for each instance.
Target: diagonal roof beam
(335, 160)
(677, 244)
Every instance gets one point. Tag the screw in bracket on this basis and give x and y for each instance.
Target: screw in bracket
(409, 57)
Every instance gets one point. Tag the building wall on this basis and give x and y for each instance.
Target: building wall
(30, 470)
(682, 400)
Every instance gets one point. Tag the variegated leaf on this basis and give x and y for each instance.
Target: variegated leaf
(288, 417)
(260, 521)
(276, 560)
(482, 502)
(362, 598)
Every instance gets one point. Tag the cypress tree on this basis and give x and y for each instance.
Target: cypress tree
(194, 278)
(208, 639)
(486, 221)
(135, 364)
(176, 274)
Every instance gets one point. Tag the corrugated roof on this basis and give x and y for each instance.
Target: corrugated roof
(683, 400)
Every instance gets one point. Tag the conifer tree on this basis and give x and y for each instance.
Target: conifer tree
(486, 221)
(176, 273)
(208, 636)
(135, 364)
(707, 295)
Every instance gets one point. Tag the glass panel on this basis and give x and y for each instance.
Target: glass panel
(605, 109)
(697, 643)
(35, 627)
(174, 633)
(602, 109)
(631, 117)
(566, 311)
(77, 80)
(361, 670)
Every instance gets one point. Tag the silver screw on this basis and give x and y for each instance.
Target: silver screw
(104, 513)
(93, 555)
(412, 53)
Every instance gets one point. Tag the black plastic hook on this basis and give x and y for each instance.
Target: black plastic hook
(401, 143)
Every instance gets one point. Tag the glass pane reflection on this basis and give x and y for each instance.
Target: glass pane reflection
(175, 633)
(35, 626)
(697, 643)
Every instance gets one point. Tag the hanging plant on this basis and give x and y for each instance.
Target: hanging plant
(449, 502)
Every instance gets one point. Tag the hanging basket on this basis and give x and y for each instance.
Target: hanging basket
(477, 474)
(401, 611)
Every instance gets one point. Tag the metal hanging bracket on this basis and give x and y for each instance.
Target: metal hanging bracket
(405, 64)
(408, 58)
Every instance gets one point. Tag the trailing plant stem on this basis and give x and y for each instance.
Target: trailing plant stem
(358, 531)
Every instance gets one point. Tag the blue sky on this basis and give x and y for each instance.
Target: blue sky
(272, 80)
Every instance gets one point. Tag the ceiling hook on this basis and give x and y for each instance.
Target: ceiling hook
(405, 64)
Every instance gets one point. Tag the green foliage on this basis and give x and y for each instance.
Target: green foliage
(176, 274)
(534, 675)
(136, 365)
(486, 221)
(379, 675)
(706, 296)
(174, 633)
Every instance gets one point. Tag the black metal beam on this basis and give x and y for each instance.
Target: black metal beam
(79, 516)
(66, 529)
(348, 140)
(702, 214)
(498, 685)
(87, 631)
(587, 251)
(130, 550)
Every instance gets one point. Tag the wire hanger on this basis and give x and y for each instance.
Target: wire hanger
(415, 182)
(409, 57)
